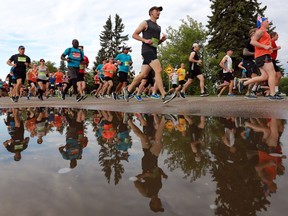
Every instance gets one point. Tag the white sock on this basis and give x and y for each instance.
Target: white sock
(276, 88)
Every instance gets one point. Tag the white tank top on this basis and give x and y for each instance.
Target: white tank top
(228, 64)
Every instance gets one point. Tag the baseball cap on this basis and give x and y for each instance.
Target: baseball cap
(260, 20)
(21, 47)
(160, 8)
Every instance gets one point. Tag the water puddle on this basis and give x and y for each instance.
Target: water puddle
(60, 161)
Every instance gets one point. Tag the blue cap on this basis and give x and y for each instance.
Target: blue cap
(260, 20)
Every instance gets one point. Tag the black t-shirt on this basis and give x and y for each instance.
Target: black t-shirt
(250, 48)
(20, 60)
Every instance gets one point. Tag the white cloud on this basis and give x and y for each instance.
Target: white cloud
(46, 28)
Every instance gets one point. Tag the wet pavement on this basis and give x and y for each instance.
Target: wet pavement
(195, 105)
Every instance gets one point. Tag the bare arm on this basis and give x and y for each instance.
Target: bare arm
(240, 65)
(136, 35)
(9, 62)
(191, 58)
(222, 63)
(254, 40)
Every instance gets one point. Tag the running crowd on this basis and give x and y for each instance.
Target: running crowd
(259, 54)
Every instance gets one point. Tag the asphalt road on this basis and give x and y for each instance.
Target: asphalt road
(193, 105)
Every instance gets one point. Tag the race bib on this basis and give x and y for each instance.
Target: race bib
(21, 59)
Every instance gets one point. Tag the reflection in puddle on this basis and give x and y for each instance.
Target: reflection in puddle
(140, 163)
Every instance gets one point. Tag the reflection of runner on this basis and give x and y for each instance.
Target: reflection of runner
(149, 182)
(17, 143)
(196, 132)
(269, 152)
(75, 138)
(41, 124)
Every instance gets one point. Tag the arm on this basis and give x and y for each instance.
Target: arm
(63, 57)
(9, 62)
(136, 35)
(222, 64)
(191, 58)
(256, 37)
(240, 65)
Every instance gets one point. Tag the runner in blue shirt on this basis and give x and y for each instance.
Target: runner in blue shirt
(124, 62)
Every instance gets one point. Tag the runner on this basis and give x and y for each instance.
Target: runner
(81, 84)
(124, 62)
(150, 40)
(42, 79)
(74, 57)
(261, 40)
(194, 71)
(32, 81)
(20, 62)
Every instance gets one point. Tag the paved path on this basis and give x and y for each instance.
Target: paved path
(195, 105)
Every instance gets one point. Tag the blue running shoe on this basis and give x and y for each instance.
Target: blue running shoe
(155, 96)
(138, 98)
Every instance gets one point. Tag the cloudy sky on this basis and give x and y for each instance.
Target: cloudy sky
(46, 28)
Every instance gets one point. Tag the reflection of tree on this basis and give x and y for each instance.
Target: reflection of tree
(110, 160)
(239, 189)
(180, 156)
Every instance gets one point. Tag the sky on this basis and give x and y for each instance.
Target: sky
(47, 28)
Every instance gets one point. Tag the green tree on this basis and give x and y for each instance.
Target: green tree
(230, 23)
(111, 38)
(177, 47)
(62, 67)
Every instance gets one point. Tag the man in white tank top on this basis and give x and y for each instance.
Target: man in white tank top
(226, 64)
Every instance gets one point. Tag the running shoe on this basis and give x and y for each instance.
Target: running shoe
(155, 96)
(138, 98)
(231, 95)
(167, 98)
(204, 94)
(101, 96)
(281, 94)
(79, 98)
(84, 97)
(251, 96)
(107, 96)
(131, 96)
(16, 99)
(275, 98)
(182, 94)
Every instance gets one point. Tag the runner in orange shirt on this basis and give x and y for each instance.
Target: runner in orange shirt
(59, 83)
(109, 70)
(31, 76)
